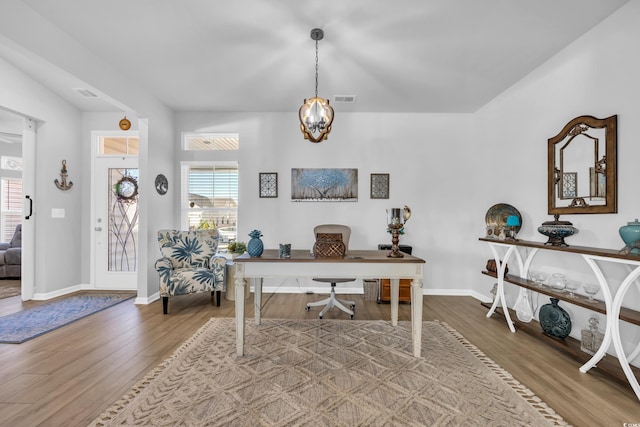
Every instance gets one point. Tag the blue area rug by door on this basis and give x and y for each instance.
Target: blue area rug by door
(24, 325)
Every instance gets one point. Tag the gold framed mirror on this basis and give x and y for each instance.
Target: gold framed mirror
(582, 167)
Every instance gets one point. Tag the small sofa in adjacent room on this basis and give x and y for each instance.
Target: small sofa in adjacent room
(11, 256)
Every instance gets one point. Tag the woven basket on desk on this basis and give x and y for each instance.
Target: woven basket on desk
(329, 245)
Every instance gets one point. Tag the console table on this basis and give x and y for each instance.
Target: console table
(365, 264)
(504, 250)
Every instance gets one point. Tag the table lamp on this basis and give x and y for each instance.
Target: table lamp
(512, 222)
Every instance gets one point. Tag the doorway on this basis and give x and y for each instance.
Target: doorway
(115, 211)
(17, 159)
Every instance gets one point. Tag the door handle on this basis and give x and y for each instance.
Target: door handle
(30, 207)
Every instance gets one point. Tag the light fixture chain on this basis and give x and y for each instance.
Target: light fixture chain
(316, 68)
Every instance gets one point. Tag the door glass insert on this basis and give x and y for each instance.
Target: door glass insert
(115, 145)
(123, 219)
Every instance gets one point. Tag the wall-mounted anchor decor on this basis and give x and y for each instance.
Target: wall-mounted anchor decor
(62, 184)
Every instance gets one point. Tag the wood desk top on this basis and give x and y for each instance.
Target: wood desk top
(353, 256)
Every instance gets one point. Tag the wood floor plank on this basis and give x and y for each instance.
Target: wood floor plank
(69, 376)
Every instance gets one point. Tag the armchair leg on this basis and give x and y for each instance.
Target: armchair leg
(217, 295)
(165, 304)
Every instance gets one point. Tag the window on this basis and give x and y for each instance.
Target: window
(210, 185)
(211, 141)
(210, 198)
(11, 207)
(11, 163)
(118, 145)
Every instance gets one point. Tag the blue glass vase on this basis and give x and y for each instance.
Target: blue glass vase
(554, 320)
(630, 234)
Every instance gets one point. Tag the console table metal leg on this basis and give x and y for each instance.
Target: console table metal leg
(501, 265)
(617, 341)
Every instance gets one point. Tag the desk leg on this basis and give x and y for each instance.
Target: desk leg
(395, 297)
(257, 298)
(239, 279)
(416, 316)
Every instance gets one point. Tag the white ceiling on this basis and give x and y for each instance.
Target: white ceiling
(257, 55)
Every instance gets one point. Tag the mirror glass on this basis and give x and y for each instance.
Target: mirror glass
(582, 167)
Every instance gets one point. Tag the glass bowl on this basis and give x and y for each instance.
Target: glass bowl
(558, 282)
(572, 286)
(591, 290)
(538, 277)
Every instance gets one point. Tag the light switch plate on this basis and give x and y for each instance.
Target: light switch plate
(57, 212)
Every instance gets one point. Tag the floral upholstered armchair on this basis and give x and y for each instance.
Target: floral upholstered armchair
(189, 264)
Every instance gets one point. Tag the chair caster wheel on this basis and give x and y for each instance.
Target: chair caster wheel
(352, 306)
(307, 308)
(351, 316)
(320, 317)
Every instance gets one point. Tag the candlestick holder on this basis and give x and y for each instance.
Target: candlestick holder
(396, 219)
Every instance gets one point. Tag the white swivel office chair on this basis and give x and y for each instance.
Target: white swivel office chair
(332, 301)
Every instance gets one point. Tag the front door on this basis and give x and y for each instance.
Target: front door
(115, 222)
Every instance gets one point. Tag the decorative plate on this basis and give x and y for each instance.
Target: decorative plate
(496, 217)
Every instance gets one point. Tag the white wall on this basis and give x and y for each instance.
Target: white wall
(597, 75)
(58, 138)
(423, 153)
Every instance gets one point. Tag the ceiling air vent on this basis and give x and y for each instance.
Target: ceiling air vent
(344, 99)
(86, 93)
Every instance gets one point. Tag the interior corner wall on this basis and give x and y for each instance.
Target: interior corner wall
(596, 75)
(58, 138)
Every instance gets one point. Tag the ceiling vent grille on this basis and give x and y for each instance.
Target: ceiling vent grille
(344, 99)
(86, 93)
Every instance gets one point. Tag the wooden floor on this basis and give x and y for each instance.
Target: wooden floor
(69, 376)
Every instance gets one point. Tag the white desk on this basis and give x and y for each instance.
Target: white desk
(369, 264)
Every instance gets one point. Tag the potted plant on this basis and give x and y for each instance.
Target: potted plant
(236, 248)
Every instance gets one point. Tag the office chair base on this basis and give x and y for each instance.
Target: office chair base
(332, 301)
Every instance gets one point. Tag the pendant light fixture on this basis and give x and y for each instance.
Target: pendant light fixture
(316, 115)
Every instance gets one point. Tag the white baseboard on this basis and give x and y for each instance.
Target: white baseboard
(147, 300)
(57, 293)
(355, 290)
(458, 293)
(352, 290)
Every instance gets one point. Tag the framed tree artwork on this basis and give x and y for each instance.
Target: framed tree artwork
(324, 185)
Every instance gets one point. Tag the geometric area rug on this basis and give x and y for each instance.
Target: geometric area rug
(328, 373)
(24, 325)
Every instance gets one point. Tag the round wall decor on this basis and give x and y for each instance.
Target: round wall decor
(124, 124)
(162, 185)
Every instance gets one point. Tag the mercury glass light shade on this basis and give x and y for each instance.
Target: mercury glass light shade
(316, 117)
